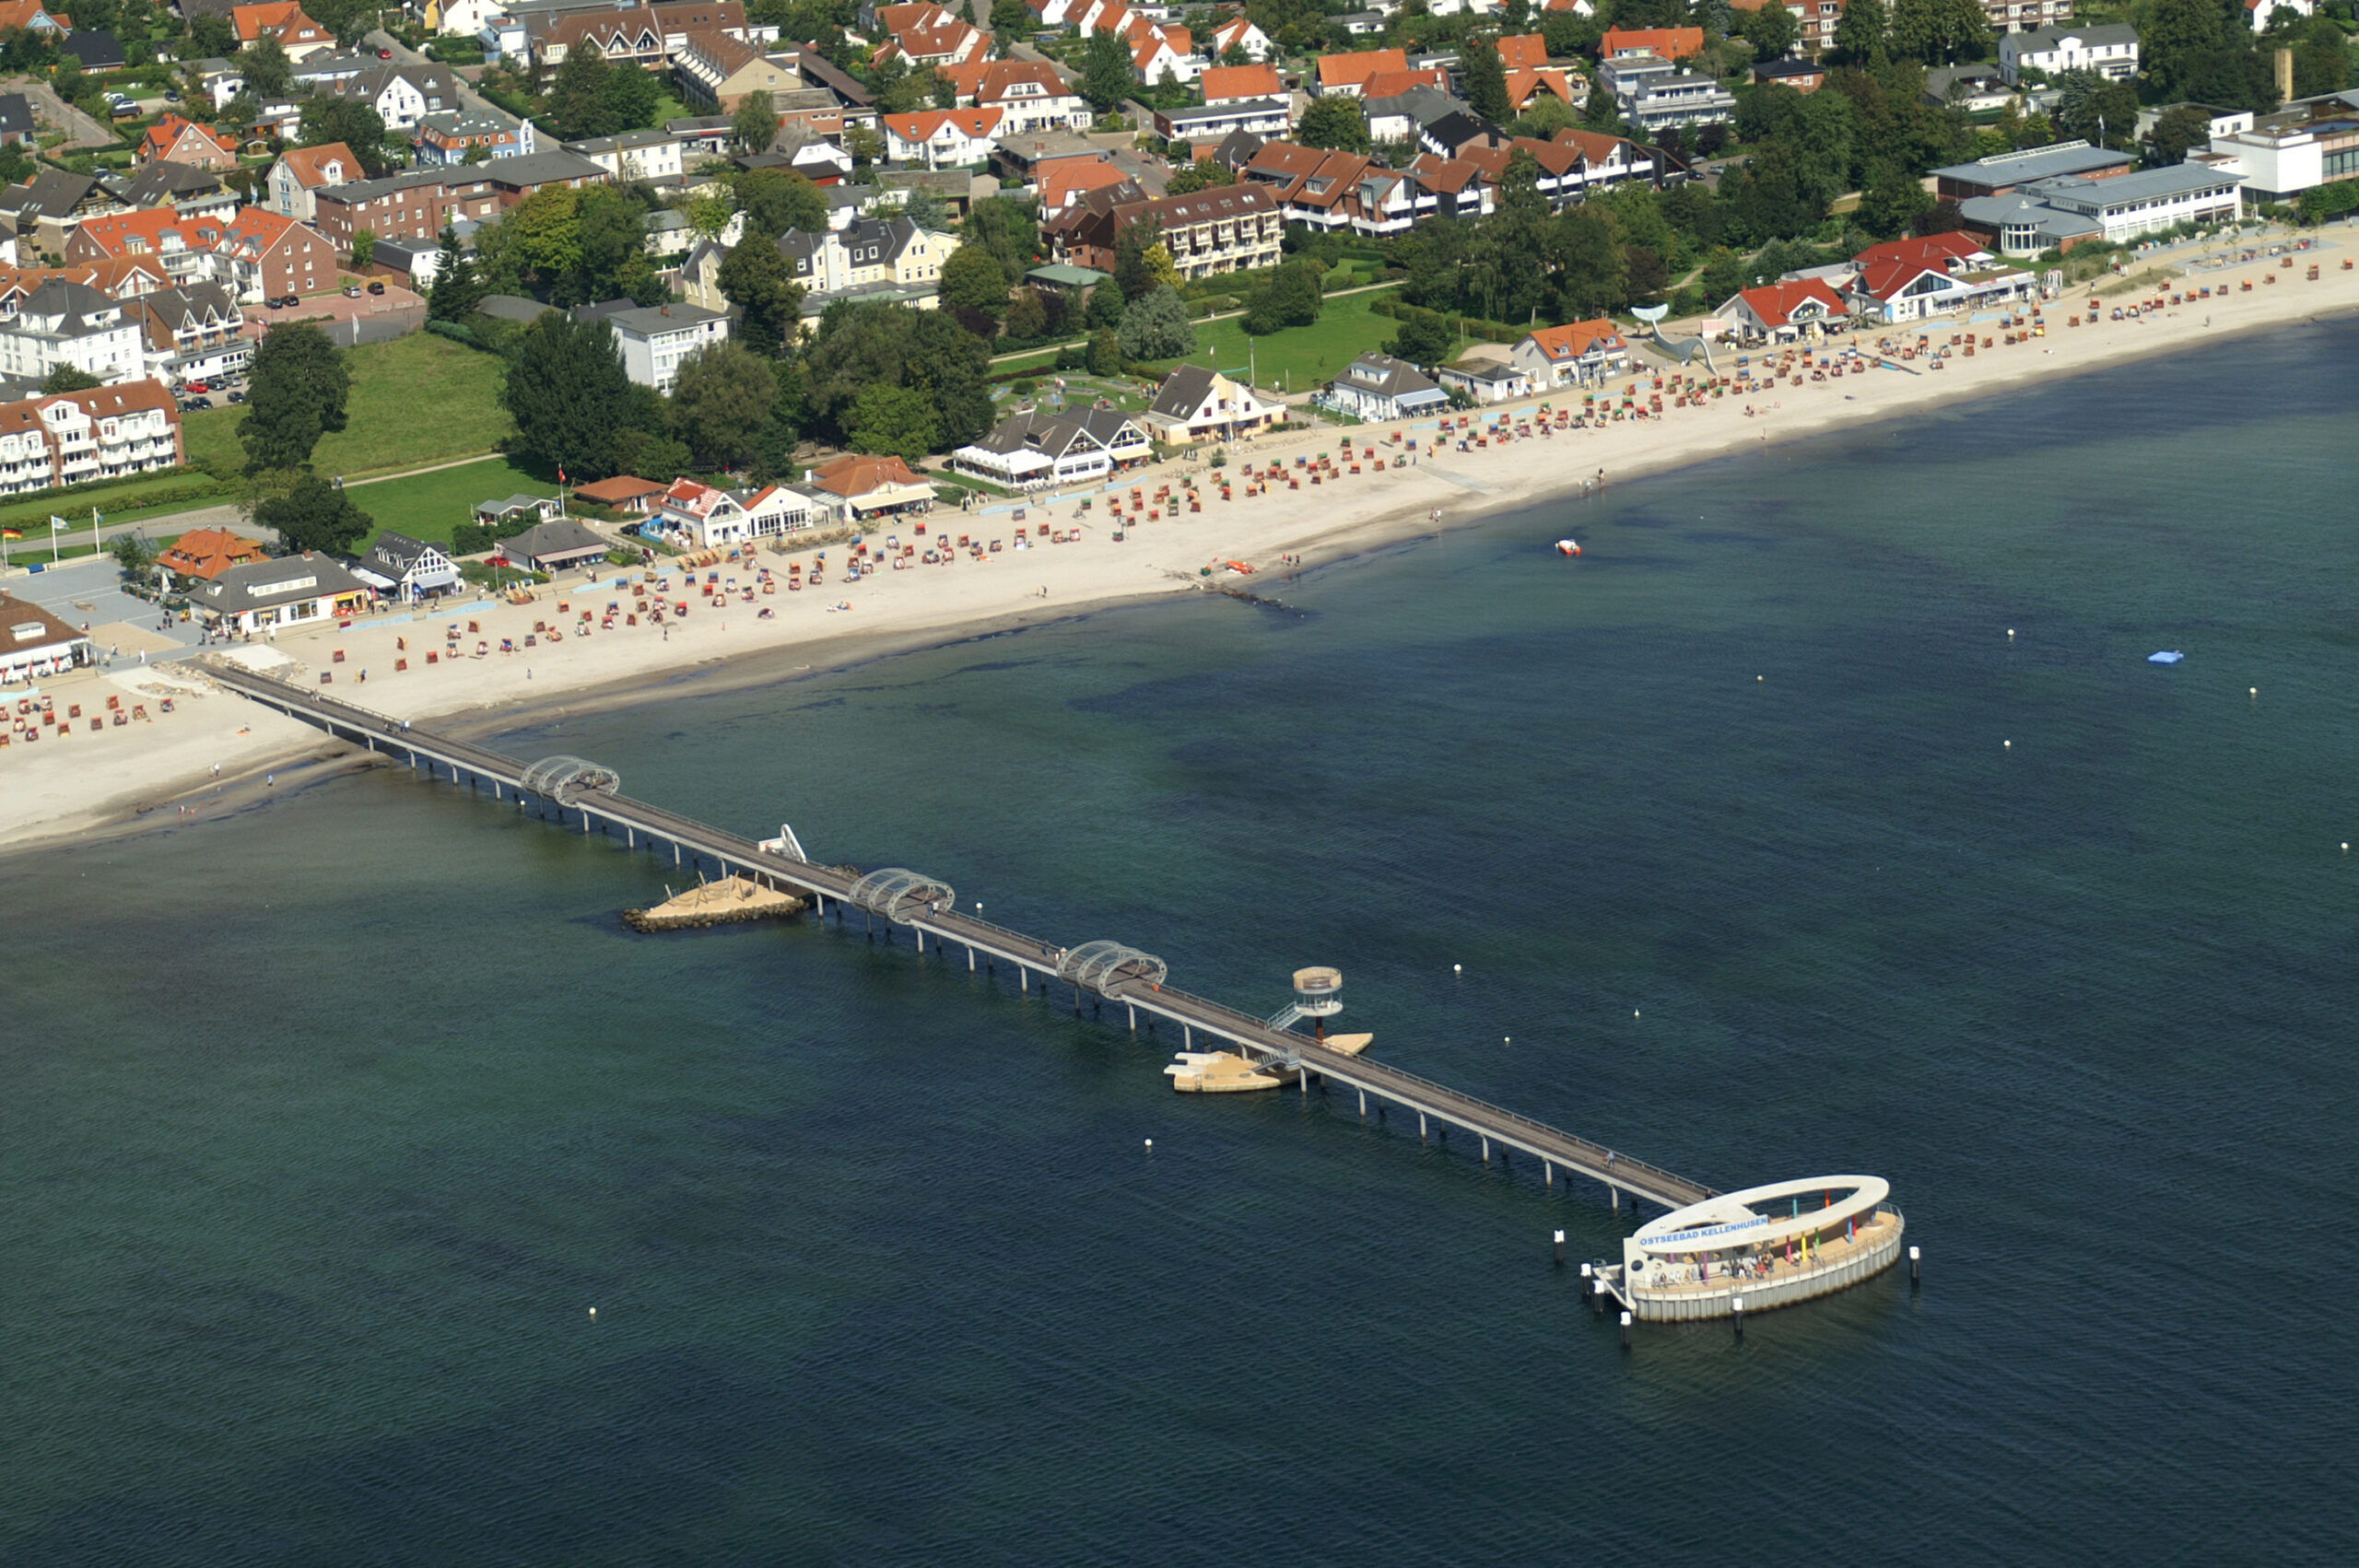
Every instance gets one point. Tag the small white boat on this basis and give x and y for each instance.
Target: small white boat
(1568, 547)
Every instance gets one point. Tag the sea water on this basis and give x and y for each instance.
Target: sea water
(1824, 816)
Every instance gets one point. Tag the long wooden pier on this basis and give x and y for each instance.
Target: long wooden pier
(570, 790)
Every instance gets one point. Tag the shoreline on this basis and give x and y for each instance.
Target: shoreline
(193, 757)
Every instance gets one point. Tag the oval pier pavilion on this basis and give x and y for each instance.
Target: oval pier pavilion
(572, 792)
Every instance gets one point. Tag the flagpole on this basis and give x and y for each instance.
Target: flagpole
(94, 531)
(56, 527)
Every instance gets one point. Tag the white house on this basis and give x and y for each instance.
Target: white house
(1239, 33)
(1781, 312)
(35, 644)
(1196, 403)
(2260, 11)
(1910, 279)
(69, 323)
(1036, 448)
(1572, 354)
(649, 156)
(653, 339)
(2109, 50)
(404, 568)
(288, 591)
(711, 518)
(942, 138)
(75, 437)
(2278, 163)
(1376, 386)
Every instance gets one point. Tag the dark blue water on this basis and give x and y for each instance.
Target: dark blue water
(325, 1126)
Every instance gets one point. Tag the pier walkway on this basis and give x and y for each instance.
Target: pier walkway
(570, 790)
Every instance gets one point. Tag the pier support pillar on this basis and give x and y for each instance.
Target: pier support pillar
(1362, 1105)
(971, 961)
(1547, 1174)
(1486, 1149)
(630, 837)
(1421, 1126)
(471, 783)
(1187, 1036)
(1613, 1197)
(1134, 1012)
(675, 852)
(1024, 978)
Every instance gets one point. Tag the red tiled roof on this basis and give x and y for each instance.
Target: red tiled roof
(1671, 43)
(1527, 52)
(1242, 81)
(1775, 303)
(1577, 338)
(1349, 70)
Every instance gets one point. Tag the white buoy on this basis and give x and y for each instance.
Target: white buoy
(2009, 745)
(1634, 1012)
(2346, 847)
(2253, 691)
(1150, 1145)
(1507, 1039)
(2011, 634)
(1458, 968)
(593, 1315)
(1761, 677)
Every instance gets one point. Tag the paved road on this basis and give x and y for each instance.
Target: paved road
(89, 595)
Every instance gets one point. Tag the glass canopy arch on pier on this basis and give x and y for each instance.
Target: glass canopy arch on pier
(1101, 965)
(901, 895)
(564, 778)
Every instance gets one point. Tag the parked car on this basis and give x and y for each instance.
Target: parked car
(352, 291)
(377, 287)
(237, 397)
(384, 54)
(171, 94)
(200, 386)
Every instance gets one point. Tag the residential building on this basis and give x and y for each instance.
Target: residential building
(1379, 387)
(1975, 89)
(1196, 403)
(653, 339)
(2287, 154)
(653, 156)
(288, 591)
(1344, 74)
(1221, 229)
(716, 69)
(1036, 448)
(862, 487)
(1911, 278)
(185, 141)
(1562, 86)
(2109, 50)
(189, 334)
(622, 35)
(1064, 181)
(513, 178)
(2258, 12)
(449, 137)
(410, 263)
(2022, 15)
(294, 180)
(2057, 213)
(1781, 312)
(942, 138)
(34, 644)
(202, 554)
(1523, 51)
(1239, 84)
(68, 324)
(925, 37)
(1655, 95)
(1577, 354)
(407, 569)
(401, 95)
(1206, 127)
(76, 437)
(256, 253)
(1802, 74)
(414, 204)
(296, 34)
(1664, 44)
(624, 493)
(16, 122)
(1239, 33)
(1029, 95)
(188, 189)
(865, 255)
(1814, 21)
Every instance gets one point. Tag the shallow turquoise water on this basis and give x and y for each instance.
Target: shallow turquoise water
(327, 1124)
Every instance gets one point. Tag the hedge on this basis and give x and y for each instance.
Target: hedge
(2322, 202)
(170, 487)
(1464, 326)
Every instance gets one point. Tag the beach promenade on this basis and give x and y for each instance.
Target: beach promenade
(180, 760)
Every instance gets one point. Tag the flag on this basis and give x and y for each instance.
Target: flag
(560, 473)
(11, 533)
(56, 524)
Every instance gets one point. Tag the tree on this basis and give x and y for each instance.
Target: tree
(1891, 201)
(1106, 77)
(754, 125)
(897, 420)
(1772, 31)
(296, 393)
(2103, 112)
(328, 118)
(456, 290)
(577, 105)
(721, 399)
(1201, 175)
(1105, 353)
(567, 392)
(2172, 36)
(974, 284)
(133, 555)
(364, 249)
(1936, 30)
(1335, 122)
(1135, 270)
(269, 77)
(1422, 340)
(1106, 307)
(2178, 131)
(1009, 228)
(65, 378)
(540, 238)
(952, 367)
(1861, 32)
(633, 98)
(1291, 298)
(777, 201)
(2321, 60)
(1157, 327)
(315, 515)
(1028, 315)
(755, 278)
(1487, 82)
(213, 37)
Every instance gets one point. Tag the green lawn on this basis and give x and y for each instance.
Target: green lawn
(1298, 357)
(427, 505)
(417, 400)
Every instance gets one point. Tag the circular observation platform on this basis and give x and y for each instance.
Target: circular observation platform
(1772, 1246)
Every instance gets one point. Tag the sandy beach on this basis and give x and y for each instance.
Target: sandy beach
(203, 755)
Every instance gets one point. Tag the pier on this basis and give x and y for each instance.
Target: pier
(573, 793)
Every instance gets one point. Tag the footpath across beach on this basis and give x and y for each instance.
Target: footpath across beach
(178, 760)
